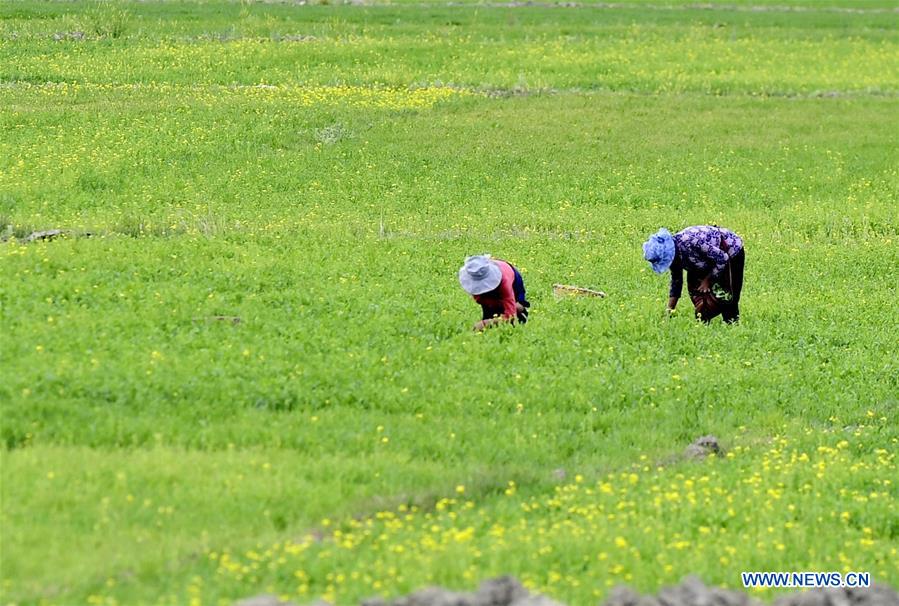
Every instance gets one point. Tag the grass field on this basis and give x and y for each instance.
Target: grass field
(320, 173)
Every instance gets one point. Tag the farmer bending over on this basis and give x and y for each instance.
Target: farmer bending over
(714, 259)
(498, 287)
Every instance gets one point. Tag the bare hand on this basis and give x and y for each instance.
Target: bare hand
(705, 286)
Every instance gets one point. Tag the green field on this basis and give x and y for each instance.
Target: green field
(320, 172)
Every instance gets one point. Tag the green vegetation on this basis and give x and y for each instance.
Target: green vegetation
(320, 172)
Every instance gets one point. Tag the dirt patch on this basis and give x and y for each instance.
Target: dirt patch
(702, 448)
(508, 591)
(503, 591)
(693, 592)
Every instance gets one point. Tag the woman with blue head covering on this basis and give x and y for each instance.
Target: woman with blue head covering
(714, 259)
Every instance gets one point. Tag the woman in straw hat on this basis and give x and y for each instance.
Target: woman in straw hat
(497, 287)
(714, 260)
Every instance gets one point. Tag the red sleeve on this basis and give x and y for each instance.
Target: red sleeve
(506, 291)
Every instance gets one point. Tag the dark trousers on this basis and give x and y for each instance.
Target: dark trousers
(520, 297)
(731, 280)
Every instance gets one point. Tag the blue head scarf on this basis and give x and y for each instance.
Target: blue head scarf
(659, 250)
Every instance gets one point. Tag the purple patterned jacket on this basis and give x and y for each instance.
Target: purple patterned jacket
(700, 249)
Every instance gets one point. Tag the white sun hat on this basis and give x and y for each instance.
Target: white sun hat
(479, 275)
